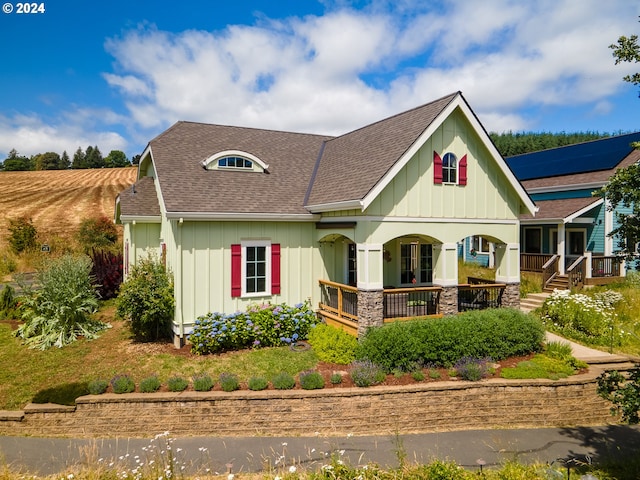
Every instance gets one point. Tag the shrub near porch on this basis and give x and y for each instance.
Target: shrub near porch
(494, 333)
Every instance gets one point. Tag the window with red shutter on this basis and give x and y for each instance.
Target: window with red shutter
(463, 171)
(255, 269)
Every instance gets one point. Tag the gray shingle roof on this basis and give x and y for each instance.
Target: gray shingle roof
(350, 165)
(558, 209)
(188, 187)
(354, 163)
(140, 199)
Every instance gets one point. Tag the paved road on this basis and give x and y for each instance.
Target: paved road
(45, 456)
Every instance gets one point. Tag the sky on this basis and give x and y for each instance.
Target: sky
(116, 74)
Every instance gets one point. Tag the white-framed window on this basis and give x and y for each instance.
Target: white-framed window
(235, 162)
(256, 268)
(480, 244)
(449, 168)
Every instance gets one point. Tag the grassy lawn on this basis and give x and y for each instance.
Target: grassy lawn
(24, 372)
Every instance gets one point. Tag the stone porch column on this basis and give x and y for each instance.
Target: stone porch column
(449, 300)
(370, 288)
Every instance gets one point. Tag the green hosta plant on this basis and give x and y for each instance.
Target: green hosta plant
(59, 311)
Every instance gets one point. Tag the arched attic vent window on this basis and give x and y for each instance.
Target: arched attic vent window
(235, 160)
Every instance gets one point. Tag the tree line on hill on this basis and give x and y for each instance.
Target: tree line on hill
(89, 158)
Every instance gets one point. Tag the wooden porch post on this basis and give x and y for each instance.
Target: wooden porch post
(445, 274)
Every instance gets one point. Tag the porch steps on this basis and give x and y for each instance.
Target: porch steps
(559, 282)
(533, 301)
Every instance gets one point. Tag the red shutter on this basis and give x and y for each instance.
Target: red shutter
(275, 268)
(236, 270)
(437, 168)
(463, 171)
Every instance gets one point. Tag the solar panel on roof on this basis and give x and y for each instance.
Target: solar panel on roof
(602, 154)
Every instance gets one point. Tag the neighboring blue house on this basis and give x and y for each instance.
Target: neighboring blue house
(568, 235)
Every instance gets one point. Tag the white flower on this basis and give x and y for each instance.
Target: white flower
(277, 478)
(292, 469)
(349, 435)
(230, 476)
(284, 444)
(70, 476)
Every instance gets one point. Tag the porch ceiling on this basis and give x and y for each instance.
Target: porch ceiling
(563, 210)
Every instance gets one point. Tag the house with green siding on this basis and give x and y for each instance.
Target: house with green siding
(245, 216)
(569, 234)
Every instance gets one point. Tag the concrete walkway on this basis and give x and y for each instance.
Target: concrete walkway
(587, 354)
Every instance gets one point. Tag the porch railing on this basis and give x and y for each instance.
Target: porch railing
(404, 303)
(480, 296)
(605, 266)
(533, 262)
(550, 269)
(339, 305)
(577, 272)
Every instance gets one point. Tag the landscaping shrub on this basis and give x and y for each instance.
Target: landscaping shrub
(59, 310)
(8, 303)
(495, 333)
(22, 234)
(258, 383)
(540, 366)
(8, 264)
(418, 375)
(107, 272)
(150, 384)
(98, 387)
(97, 233)
(229, 382)
(365, 373)
(259, 326)
(202, 382)
(333, 345)
(311, 380)
(146, 300)
(336, 378)
(177, 384)
(472, 369)
(623, 391)
(283, 381)
(122, 384)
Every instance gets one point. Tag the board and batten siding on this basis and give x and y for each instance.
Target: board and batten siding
(488, 193)
(205, 262)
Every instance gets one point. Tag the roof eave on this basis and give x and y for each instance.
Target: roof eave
(336, 206)
(242, 217)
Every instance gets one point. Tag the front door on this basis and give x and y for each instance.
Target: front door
(574, 246)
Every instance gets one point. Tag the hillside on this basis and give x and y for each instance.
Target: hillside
(58, 200)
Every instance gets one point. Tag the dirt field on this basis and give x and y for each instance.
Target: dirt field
(58, 200)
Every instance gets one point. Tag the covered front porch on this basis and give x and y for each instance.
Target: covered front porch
(339, 303)
(567, 244)
(409, 276)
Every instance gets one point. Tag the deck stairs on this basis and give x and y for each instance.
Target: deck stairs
(559, 282)
(533, 301)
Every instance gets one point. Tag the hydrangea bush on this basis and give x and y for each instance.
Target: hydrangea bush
(588, 317)
(260, 326)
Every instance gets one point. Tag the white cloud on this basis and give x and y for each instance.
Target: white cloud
(30, 134)
(339, 71)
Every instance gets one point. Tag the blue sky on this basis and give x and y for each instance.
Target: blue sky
(116, 74)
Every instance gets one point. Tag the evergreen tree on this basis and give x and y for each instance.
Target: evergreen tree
(15, 162)
(79, 159)
(94, 157)
(64, 161)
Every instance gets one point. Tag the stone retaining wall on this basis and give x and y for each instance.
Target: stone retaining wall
(426, 407)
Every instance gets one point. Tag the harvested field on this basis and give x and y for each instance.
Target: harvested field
(58, 200)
